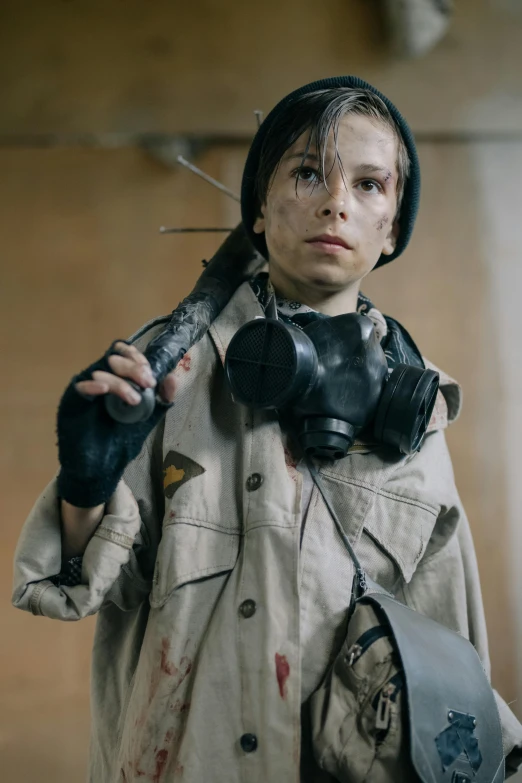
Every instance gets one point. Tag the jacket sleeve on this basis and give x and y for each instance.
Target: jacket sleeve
(118, 561)
(446, 587)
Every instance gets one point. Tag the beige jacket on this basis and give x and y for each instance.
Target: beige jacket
(209, 517)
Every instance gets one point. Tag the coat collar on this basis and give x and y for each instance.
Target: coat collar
(242, 307)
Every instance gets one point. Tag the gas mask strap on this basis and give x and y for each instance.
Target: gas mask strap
(360, 587)
(271, 305)
(271, 308)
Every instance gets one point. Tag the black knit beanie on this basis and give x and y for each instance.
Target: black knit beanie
(410, 202)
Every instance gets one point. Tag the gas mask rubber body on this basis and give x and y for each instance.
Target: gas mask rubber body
(331, 380)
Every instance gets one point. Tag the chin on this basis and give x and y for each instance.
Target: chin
(321, 281)
(330, 279)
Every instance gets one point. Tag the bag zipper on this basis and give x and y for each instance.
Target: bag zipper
(365, 641)
(383, 701)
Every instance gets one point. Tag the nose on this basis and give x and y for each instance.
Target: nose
(334, 204)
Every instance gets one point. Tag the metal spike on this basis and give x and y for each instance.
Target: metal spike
(208, 179)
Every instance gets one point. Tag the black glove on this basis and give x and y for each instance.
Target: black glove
(93, 449)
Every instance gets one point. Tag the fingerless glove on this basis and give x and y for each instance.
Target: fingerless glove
(93, 449)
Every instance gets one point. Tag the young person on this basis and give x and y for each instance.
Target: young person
(221, 584)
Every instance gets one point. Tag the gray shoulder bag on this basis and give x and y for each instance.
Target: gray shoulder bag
(406, 699)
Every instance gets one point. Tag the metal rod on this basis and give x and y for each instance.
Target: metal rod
(208, 179)
(259, 116)
(164, 230)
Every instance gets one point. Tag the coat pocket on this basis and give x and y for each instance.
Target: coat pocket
(399, 527)
(190, 552)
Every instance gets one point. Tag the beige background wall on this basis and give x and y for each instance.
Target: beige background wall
(82, 262)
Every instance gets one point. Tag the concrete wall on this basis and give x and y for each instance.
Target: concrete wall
(120, 65)
(82, 262)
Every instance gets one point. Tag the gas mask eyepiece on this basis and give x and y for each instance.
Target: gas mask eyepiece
(331, 381)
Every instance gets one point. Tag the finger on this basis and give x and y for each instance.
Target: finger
(131, 352)
(91, 388)
(167, 389)
(118, 386)
(128, 368)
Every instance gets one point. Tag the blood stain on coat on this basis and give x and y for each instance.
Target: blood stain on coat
(282, 673)
(160, 757)
(185, 362)
(291, 464)
(154, 685)
(167, 667)
(289, 460)
(178, 772)
(169, 736)
(180, 706)
(185, 667)
(139, 773)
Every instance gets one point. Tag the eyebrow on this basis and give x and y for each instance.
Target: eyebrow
(371, 168)
(302, 155)
(363, 168)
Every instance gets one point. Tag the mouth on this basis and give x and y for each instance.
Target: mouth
(329, 243)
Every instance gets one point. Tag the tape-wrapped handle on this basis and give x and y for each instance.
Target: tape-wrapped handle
(235, 262)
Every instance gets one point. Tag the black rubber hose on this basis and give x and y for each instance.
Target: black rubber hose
(235, 262)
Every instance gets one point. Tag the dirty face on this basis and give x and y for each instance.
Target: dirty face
(325, 237)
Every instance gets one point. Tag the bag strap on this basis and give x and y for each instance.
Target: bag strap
(360, 584)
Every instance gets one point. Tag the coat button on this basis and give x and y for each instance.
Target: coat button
(254, 481)
(248, 608)
(248, 743)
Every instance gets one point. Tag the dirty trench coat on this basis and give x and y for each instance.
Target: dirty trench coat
(219, 607)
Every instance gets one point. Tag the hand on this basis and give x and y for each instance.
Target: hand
(93, 448)
(128, 363)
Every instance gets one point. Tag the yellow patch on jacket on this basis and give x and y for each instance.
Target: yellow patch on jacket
(172, 475)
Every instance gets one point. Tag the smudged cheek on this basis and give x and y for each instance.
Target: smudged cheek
(382, 222)
(372, 232)
(286, 225)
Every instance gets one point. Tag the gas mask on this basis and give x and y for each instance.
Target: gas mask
(331, 381)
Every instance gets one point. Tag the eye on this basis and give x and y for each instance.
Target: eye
(306, 174)
(370, 186)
